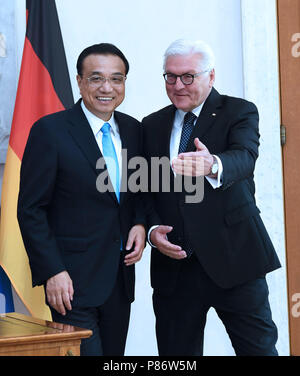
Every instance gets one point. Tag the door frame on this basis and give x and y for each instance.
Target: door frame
(289, 67)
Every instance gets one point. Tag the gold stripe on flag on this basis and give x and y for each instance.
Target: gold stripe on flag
(14, 260)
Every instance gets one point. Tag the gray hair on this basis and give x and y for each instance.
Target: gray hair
(187, 47)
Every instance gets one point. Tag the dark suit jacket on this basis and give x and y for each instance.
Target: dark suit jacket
(65, 222)
(225, 230)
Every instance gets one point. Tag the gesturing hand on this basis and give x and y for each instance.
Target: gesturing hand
(158, 237)
(197, 163)
(59, 290)
(136, 237)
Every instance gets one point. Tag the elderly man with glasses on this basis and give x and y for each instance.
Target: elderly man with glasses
(214, 252)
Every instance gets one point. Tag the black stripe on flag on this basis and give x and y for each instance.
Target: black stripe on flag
(44, 34)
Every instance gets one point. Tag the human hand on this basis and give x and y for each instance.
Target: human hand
(136, 237)
(158, 238)
(65, 328)
(59, 291)
(197, 163)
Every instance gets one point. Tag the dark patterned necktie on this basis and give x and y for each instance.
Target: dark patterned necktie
(187, 129)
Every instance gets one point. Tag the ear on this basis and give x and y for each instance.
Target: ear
(212, 77)
(79, 82)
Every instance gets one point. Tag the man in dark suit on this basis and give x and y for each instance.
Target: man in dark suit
(83, 238)
(213, 253)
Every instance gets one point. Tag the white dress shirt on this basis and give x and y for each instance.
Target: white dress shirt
(96, 125)
(174, 147)
(175, 141)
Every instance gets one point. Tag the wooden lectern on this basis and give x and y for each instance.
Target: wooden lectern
(28, 336)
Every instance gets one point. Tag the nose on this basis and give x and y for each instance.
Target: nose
(106, 86)
(178, 84)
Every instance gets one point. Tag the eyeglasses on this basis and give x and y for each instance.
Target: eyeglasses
(97, 81)
(186, 78)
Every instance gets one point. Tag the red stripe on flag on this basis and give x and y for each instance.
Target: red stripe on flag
(36, 97)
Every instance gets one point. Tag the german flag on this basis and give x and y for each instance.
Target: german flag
(44, 87)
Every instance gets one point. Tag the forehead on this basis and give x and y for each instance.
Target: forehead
(103, 64)
(180, 64)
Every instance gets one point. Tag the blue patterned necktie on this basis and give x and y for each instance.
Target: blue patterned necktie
(187, 129)
(111, 159)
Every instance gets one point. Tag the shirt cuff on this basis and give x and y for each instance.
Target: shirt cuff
(216, 182)
(149, 233)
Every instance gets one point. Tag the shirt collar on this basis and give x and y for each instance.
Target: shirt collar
(180, 114)
(97, 123)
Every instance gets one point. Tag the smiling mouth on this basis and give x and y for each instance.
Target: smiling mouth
(104, 99)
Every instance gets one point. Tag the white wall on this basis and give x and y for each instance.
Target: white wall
(143, 29)
(8, 74)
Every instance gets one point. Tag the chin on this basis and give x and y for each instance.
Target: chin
(181, 106)
(105, 109)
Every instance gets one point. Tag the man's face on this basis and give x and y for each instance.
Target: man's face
(188, 97)
(102, 98)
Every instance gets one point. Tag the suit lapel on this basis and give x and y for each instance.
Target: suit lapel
(83, 135)
(165, 129)
(206, 118)
(163, 135)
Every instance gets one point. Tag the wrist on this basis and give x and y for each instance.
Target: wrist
(149, 235)
(214, 168)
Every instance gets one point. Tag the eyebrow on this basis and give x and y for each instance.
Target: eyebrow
(181, 74)
(113, 74)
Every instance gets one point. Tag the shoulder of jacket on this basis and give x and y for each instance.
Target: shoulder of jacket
(51, 122)
(121, 116)
(162, 112)
(238, 102)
